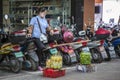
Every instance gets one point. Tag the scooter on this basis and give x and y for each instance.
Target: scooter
(50, 49)
(31, 60)
(67, 51)
(69, 55)
(116, 44)
(11, 57)
(116, 41)
(102, 34)
(110, 50)
(28, 47)
(109, 47)
(93, 47)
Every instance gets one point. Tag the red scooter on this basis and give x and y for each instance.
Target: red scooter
(67, 51)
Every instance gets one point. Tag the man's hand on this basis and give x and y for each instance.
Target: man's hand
(30, 29)
(51, 32)
(29, 35)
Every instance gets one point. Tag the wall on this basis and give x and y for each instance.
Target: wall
(1, 12)
(77, 12)
(89, 9)
(98, 16)
(98, 1)
(111, 10)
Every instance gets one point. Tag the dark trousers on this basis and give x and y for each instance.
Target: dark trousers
(40, 47)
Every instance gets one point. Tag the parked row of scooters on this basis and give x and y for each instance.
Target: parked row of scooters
(18, 53)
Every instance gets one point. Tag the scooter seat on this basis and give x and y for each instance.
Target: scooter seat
(27, 40)
(76, 46)
(92, 44)
(116, 41)
(115, 38)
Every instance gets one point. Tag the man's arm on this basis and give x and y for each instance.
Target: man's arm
(30, 27)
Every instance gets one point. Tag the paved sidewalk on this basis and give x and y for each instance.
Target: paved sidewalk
(105, 71)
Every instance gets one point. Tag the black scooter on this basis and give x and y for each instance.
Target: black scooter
(31, 60)
(28, 47)
(10, 55)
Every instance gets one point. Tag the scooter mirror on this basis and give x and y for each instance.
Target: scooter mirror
(82, 33)
(58, 18)
(6, 16)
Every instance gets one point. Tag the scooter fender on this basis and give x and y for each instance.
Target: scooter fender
(33, 55)
(116, 42)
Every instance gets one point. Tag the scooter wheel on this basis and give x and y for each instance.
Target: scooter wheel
(34, 65)
(117, 50)
(96, 55)
(66, 59)
(77, 55)
(16, 65)
(108, 55)
(1, 58)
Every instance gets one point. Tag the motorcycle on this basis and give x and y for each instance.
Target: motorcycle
(110, 50)
(116, 44)
(11, 57)
(28, 48)
(109, 47)
(69, 55)
(93, 47)
(10, 54)
(67, 51)
(116, 40)
(31, 60)
(50, 49)
(102, 34)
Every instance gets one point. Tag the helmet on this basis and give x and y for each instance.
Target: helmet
(68, 36)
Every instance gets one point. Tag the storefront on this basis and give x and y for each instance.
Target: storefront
(107, 11)
(111, 11)
(21, 11)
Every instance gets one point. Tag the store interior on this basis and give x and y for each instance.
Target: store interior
(84, 12)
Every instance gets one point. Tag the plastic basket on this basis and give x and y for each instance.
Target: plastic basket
(51, 73)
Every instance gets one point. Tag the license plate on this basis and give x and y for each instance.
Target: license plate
(86, 49)
(73, 59)
(111, 48)
(19, 54)
(72, 55)
(53, 51)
